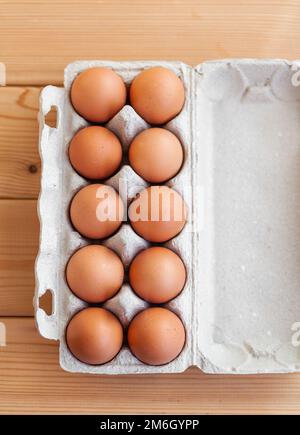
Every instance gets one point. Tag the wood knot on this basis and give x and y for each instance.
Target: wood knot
(33, 169)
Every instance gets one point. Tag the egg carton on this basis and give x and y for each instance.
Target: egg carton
(240, 130)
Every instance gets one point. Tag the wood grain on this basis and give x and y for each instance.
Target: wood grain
(19, 159)
(38, 38)
(31, 381)
(18, 246)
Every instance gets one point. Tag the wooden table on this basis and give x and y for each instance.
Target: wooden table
(37, 39)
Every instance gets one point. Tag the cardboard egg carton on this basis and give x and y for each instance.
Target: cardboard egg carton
(240, 130)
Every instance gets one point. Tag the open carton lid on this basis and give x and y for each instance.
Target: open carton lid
(248, 244)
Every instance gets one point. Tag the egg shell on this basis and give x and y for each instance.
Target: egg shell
(96, 211)
(158, 214)
(156, 336)
(95, 273)
(156, 154)
(95, 152)
(157, 95)
(157, 275)
(98, 94)
(94, 336)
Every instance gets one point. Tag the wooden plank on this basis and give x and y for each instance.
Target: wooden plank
(31, 381)
(18, 246)
(19, 159)
(39, 39)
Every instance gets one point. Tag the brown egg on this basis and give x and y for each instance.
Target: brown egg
(157, 95)
(95, 273)
(156, 336)
(98, 94)
(157, 275)
(94, 336)
(95, 152)
(156, 155)
(96, 211)
(158, 214)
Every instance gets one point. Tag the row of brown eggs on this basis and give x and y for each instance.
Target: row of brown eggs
(157, 214)
(156, 94)
(155, 336)
(155, 154)
(95, 273)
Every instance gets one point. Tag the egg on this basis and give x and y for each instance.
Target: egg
(95, 273)
(156, 336)
(94, 336)
(158, 214)
(157, 95)
(157, 275)
(156, 155)
(96, 211)
(95, 152)
(98, 94)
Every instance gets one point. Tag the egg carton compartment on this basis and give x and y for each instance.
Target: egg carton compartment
(240, 130)
(126, 243)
